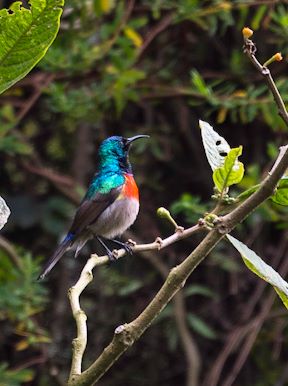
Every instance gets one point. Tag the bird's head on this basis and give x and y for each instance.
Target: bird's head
(115, 150)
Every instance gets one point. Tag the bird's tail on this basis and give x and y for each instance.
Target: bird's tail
(62, 248)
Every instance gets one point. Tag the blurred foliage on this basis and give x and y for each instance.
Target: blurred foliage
(14, 378)
(145, 67)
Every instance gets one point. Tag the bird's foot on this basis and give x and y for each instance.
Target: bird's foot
(112, 255)
(127, 246)
(131, 242)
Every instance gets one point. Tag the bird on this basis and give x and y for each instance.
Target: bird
(110, 205)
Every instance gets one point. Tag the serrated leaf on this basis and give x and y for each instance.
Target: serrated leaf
(231, 172)
(261, 269)
(215, 146)
(200, 326)
(25, 36)
(281, 194)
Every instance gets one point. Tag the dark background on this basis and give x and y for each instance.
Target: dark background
(156, 68)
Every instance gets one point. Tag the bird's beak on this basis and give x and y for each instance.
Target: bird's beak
(132, 139)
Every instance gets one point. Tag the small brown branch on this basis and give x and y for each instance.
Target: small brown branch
(189, 345)
(151, 35)
(63, 183)
(250, 49)
(33, 99)
(11, 252)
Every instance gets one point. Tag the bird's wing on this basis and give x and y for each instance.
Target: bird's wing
(90, 209)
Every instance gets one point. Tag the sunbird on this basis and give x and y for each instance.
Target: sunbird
(110, 205)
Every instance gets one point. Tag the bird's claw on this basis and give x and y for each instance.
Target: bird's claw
(112, 256)
(128, 248)
(131, 242)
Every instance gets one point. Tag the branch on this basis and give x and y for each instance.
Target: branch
(79, 343)
(11, 252)
(125, 335)
(189, 345)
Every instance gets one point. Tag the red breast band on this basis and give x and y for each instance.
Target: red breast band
(130, 188)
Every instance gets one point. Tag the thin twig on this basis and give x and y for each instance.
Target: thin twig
(11, 252)
(250, 49)
(156, 30)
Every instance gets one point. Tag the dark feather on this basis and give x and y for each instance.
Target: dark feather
(61, 249)
(87, 214)
(90, 210)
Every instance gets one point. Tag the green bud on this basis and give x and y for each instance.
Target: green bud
(164, 213)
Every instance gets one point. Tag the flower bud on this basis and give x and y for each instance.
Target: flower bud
(247, 32)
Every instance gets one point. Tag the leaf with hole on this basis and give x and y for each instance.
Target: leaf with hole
(4, 212)
(215, 146)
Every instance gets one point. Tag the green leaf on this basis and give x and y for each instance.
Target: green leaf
(25, 36)
(261, 269)
(248, 192)
(199, 83)
(14, 377)
(231, 172)
(197, 289)
(201, 327)
(281, 194)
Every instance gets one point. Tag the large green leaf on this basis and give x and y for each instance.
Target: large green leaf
(231, 172)
(261, 269)
(25, 36)
(281, 194)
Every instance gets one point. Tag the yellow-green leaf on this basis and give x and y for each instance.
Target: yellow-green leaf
(133, 36)
(281, 194)
(261, 269)
(231, 172)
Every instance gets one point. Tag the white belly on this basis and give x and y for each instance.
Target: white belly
(115, 219)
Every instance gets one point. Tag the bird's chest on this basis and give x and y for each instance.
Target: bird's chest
(118, 217)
